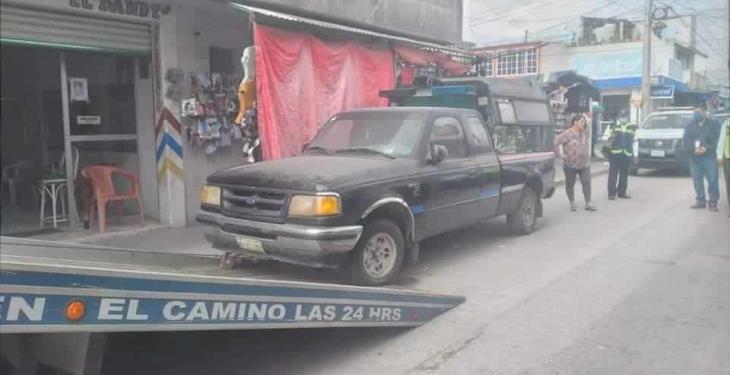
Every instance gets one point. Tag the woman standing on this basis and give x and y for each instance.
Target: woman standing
(572, 145)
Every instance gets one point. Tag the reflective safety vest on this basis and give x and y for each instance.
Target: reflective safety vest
(726, 141)
(621, 138)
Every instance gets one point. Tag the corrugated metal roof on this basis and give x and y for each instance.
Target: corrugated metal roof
(350, 29)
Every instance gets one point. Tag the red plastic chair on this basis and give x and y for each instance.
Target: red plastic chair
(104, 192)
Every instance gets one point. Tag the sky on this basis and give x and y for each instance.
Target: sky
(492, 22)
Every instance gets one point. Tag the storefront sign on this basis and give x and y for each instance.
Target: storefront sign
(662, 92)
(607, 65)
(143, 9)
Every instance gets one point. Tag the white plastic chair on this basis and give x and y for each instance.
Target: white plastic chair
(54, 188)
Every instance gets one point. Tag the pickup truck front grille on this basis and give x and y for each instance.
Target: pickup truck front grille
(243, 201)
(658, 144)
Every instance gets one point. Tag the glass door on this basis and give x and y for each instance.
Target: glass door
(100, 118)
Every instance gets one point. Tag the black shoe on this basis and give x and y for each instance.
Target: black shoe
(611, 197)
(624, 196)
(698, 205)
(712, 207)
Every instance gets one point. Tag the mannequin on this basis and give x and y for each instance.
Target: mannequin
(247, 88)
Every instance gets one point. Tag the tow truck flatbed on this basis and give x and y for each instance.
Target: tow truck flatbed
(125, 290)
(59, 301)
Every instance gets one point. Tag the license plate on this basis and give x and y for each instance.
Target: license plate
(250, 244)
(658, 153)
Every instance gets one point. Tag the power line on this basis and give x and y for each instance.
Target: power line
(695, 10)
(510, 51)
(536, 34)
(511, 13)
(602, 5)
(699, 35)
(628, 11)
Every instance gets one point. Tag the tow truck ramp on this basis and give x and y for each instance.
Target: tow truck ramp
(87, 291)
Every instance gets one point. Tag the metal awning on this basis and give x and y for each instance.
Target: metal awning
(355, 30)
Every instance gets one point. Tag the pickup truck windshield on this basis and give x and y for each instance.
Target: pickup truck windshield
(668, 121)
(390, 134)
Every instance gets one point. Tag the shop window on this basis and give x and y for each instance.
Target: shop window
(101, 94)
(221, 60)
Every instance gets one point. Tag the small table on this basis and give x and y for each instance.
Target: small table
(53, 188)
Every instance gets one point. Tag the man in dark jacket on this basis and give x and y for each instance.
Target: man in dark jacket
(700, 138)
(620, 150)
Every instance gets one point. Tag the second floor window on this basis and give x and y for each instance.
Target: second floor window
(510, 64)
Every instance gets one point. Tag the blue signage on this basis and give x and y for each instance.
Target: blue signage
(44, 302)
(48, 309)
(662, 92)
(607, 65)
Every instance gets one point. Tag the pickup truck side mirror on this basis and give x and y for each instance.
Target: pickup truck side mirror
(437, 154)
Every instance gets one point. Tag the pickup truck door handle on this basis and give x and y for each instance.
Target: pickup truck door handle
(474, 172)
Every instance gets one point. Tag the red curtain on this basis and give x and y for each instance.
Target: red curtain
(301, 81)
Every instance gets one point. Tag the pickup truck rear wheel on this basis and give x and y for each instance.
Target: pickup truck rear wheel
(524, 219)
(379, 254)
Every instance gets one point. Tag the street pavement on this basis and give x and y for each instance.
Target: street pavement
(640, 287)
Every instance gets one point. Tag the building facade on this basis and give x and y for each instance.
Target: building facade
(103, 81)
(609, 52)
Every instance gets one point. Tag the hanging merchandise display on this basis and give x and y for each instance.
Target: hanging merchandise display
(209, 111)
(302, 80)
(221, 112)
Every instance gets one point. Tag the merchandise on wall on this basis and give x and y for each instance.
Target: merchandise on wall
(220, 112)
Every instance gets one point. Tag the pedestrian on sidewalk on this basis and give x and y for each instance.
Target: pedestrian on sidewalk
(573, 147)
(725, 159)
(620, 153)
(701, 137)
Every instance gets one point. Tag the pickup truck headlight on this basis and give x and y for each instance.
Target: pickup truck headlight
(315, 205)
(210, 195)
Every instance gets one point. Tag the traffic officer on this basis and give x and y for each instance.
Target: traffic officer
(621, 148)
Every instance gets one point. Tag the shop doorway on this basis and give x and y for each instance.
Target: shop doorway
(614, 104)
(62, 111)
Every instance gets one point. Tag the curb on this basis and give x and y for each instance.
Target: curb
(94, 238)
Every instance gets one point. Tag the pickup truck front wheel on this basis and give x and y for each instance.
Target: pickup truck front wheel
(379, 254)
(524, 219)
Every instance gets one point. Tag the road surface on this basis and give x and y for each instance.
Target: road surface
(640, 287)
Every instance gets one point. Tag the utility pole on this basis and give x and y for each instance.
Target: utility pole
(646, 71)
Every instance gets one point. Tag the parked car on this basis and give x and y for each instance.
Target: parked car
(658, 143)
(372, 185)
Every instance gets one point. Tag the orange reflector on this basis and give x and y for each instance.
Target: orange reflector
(75, 310)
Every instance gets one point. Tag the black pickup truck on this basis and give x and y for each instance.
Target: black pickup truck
(372, 185)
